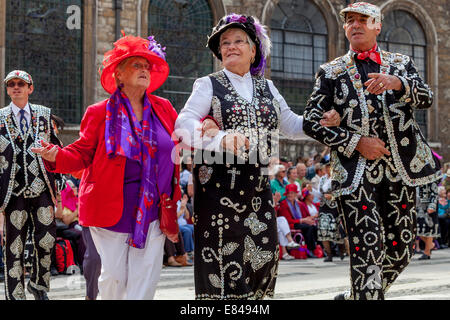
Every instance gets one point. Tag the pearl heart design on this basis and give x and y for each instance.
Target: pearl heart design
(204, 174)
(18, 218)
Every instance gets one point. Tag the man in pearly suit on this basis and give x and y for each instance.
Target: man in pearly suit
(378, 153)
(27, 190)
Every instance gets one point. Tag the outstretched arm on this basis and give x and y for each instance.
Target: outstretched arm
(78, 155)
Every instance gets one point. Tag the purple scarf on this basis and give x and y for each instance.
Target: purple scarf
(295, 209)
(126, 136)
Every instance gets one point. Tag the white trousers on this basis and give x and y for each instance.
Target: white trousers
(283, 230)
(129, 273)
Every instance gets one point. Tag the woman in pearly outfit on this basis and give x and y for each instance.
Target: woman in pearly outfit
(236, 247)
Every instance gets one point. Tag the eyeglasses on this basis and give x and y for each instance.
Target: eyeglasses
(237, 43)
(140, 66)
(12, 84)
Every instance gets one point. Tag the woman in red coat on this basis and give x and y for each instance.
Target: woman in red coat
(297, 214)
(125, 147)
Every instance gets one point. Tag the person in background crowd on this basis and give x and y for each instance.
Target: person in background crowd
(290, 208)
(329, 222)
(307, 205)
(446, 181)
(175, 254)
(278, 184)
(444, 217)
(319, 169)
(92, 265)
(310, 169)
(186, 229)
(68, 214)
(427, 217)
(284, 232)
(185, 174)
(292, 178)
(301, 173)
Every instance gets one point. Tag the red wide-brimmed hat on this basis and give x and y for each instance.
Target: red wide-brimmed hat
(130, 46)
(290, 188)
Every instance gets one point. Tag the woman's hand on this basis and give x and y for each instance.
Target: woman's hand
(331, 119)
(309, 220)
(47, 151)
(276, 197)
(233, 142)
(209, 128)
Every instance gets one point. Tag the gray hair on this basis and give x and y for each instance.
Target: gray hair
(250, 42)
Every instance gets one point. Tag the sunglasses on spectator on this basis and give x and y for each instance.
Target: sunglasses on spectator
(12, 84)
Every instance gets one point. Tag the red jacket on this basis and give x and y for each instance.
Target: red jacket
(285, 211)
(101, 187)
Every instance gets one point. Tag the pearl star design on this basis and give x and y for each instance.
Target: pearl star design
(371, 214)
(403, 199)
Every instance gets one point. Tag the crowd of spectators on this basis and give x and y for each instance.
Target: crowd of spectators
(297, 198)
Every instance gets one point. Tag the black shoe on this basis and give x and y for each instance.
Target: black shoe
(329, 258)
(424, 257)
(340, 296)
(53, 271)
(346, 295)
(38, 294)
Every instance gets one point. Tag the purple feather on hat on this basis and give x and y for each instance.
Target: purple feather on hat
(236, 18)
(264, 41)
(156, 48)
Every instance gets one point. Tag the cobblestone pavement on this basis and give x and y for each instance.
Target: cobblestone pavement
(310, 279)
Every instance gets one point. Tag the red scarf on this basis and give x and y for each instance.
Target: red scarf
(372, 54)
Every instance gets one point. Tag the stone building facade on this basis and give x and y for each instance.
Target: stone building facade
(305, 33)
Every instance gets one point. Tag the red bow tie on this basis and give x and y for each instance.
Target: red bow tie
(372, 54)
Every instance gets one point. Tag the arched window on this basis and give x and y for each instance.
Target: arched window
(39, 41)
(402, 33)
(182, 27)
(299, 37)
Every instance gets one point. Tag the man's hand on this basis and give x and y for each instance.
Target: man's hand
(47, 151)
(233, 142)
(208, 128)
(331, 119)
(378, 83)
(372, 148)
